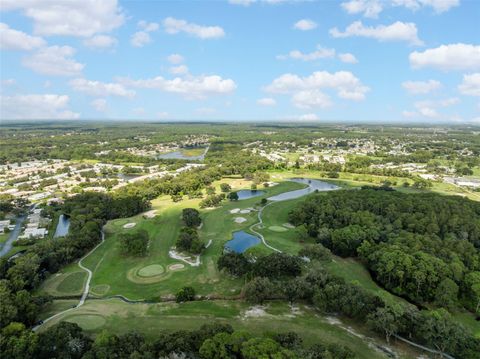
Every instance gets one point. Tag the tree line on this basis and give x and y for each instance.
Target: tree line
(424, 247)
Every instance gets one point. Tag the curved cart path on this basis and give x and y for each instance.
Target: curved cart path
(85, 290)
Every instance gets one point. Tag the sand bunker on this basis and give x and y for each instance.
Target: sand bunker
(288, 225)
(150, 214)
(192, 260)
(174, 267)
(240, 220)
(245, 211)
(235, 210)
(271, 184)
(129, 225)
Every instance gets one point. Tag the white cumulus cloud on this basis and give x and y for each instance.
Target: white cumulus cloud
(346, 84)
(470, 85)
(100, 42)
(348, 58)
(175, 59)
(369, 8)
(311, 99)
(305, 25)
(98, 88)
(448, 57)
(11, 39)
(266, 101)
(398, 31)
(175, 26)
(320, 53)
(372, 8)
(421, 87)
(142, 37)
(82, 18)
(36, 107)
(439, 6)
(195, 87)
(55, 61)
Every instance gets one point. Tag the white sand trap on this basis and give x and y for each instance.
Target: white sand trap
(288, 225)
(271, 184)
(186, 259)
(129, 225)
(174, 267)
(255, 312)
(235, 210)
(150, 214)
(245, 211)
(240, 220)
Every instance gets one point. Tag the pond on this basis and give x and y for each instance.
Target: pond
(313, 185)
(62, 226)
(249, 193)
(179, 155)
(241, 242)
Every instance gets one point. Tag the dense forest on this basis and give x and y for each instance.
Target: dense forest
(424, 247)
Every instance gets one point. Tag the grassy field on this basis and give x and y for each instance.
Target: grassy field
(119, 317)
(191, 152)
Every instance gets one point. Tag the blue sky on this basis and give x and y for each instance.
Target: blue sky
(354, 60)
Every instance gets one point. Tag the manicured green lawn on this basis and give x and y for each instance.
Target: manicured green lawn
(120, 273)
(67, 282)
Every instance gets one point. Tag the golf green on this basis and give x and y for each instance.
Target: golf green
(277, 229)
(151, 270)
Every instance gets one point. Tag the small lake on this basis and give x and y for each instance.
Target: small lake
(179, 155)
(249, 193)
(313, 185)
(62, 226)
(241, 242)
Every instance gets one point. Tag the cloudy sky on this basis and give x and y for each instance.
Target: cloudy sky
(354, 60)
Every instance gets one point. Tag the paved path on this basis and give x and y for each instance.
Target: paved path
(260, 222)
(85, 290)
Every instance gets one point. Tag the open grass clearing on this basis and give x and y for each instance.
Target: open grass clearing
(118, 317)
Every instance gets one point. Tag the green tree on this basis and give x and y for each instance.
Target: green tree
(446, 294)
(185, 294)
(258, 290)
(225, 187)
